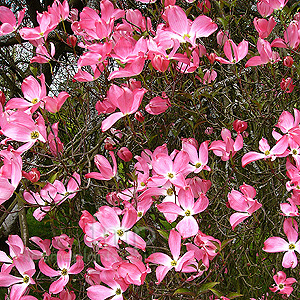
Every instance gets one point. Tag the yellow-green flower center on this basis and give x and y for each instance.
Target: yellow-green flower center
(64, 272)
(170, 175)
(118, 291)
(281, 286)
(120, 232)
(292, 246)
(140, 214)
(187, 213)
(173, 263)
(34, 101)
(267, 152)
(170, 192)
(26, 279)
(34, 135)
(198, 165)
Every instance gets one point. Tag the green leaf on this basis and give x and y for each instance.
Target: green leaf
(183, 291)
(216, 292)
(207, 287)
(224, 243)
(164, 234)
(33, 70)
(234, 295)
(53, 177)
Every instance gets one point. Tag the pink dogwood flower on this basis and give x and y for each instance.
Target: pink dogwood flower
(106, 171)
(187, 207)
(165, 261)
(283, 284)
(233, 52)
(242, 202)
(278, 244)
(64, 264)
(228, 147)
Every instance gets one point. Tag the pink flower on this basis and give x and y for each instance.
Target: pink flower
(63, 262)
(244, 203)
(103, 165)
(127, 100)
(33, 175)
(125, 154)
(166, 262)
(8, 20)
(278, 244)
(233, 52)
(157, 105)
(283, 284)
(228, 147)
(264, 27)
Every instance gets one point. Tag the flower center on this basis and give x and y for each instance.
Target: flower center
(281, 286)
(198, 165)
(64, 272)
(170, 175)
(173, 263)
(34, 135)
(143, 184)
(140, 214)
(187, 213)
(34, 101)
(292, 246)
(170, 192)
(295, 152)
(118, 291)
(202, 268)
(120, 232)
(267, 152)
(26, 279)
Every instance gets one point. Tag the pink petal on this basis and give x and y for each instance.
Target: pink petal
(175, 243)
(187, 227)
(58, 285)
(275, 244)
(289, 260)
(99, 292)
(133, 239)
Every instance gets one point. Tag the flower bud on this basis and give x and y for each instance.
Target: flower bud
(139, 116)
(209, 130)
(287, 85)
(33, 175)
(288, 61)
(239, 126)
(125, 154)
(2, 98)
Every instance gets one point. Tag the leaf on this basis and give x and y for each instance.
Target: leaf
(216, 292)
(207, 287)
(53, 177)
(225, 243)
(164, 234)
(234, 295)
(184, 291)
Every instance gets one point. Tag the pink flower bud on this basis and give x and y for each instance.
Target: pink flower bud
(264, 9)
(2, 98)
(222, 37)
(113, 199)
(72, 40)
(204, 6)
(287, 85)
(191, 141)
(157, 105)
(62, 242)
(33, 175)
(125, 154)
(209, 130)
(288, 61)
(211, 57)
(139, 116)
(239, 126)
